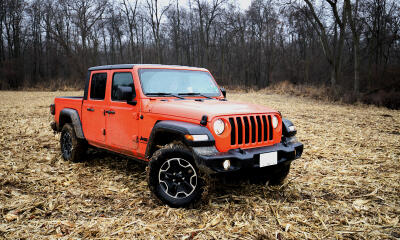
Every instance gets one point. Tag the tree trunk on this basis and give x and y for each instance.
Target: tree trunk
(356, 67)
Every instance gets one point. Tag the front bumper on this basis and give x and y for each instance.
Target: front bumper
(210, 160)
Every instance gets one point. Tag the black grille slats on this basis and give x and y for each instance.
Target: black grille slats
(240, 130)
(233, 131)
(259, 129)
(265, 124)
(246, 130)
(251, 129)
(270, 127)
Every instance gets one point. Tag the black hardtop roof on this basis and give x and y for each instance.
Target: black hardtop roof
(117, 66)
(130, 66)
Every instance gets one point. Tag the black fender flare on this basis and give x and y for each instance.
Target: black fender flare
(286, 123)
(72, 114)
(181, 129)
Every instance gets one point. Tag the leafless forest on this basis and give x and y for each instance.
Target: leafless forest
(349, 46)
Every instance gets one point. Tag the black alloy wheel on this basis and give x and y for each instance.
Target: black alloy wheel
(177, 178)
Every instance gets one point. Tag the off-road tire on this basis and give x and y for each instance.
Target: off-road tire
(274, 175)
(160, 163)
(72, 148)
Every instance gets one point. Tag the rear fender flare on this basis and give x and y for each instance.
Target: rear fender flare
(73, 116)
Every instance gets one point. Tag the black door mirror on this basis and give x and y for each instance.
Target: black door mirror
(127, 94)
(223, 91)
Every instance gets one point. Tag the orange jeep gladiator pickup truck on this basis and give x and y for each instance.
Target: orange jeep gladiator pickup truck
(177, 120)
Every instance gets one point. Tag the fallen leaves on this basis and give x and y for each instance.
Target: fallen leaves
(346, 185)
(11, 216)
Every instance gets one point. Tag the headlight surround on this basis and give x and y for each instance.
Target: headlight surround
(219, 126)
(275, 122)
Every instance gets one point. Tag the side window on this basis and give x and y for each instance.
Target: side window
(98, 86)
(123, 79)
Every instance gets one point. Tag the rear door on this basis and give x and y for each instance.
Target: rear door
(93, 108)
(122, 118)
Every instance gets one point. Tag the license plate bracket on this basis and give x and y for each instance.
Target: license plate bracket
(268, 159)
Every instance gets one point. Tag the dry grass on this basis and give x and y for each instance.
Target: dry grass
(346, 185)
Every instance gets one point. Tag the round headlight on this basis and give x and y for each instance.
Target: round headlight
(219, 127)
(275, 122)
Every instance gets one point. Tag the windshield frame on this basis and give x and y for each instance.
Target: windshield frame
(193, 70)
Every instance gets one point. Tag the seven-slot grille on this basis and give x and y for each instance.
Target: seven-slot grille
(251, 129)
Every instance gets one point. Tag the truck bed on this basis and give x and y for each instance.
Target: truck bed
(72, 102)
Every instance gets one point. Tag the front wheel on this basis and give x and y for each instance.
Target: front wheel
(173, 176)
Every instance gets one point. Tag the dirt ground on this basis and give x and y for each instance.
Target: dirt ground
(346, 185)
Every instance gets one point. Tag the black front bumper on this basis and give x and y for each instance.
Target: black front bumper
(210, 160)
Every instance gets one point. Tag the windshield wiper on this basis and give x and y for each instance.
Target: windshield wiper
(195, 94)
(165, 95)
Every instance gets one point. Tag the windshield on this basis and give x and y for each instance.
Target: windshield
(177, 82)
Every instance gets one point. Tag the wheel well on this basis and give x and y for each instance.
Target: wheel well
(63, 120)
(162, 138)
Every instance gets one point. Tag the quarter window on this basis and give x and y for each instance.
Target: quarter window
(98, 86)
(123, 79)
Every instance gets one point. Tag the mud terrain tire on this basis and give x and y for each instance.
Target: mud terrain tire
(173, 177)
(72, 148)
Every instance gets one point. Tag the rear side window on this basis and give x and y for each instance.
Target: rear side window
(98, 86)
(123, 79)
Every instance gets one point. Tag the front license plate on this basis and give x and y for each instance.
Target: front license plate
(268, 159)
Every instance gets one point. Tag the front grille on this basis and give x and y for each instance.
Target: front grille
(251, 129)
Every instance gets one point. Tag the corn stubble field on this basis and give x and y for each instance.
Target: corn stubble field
(346, 185)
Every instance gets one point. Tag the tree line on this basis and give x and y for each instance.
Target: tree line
(348, 44)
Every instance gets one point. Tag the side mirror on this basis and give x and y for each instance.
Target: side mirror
(223, 91)
(126, 94)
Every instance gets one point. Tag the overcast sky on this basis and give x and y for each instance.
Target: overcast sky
(244, 4)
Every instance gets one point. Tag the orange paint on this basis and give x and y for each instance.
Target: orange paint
(123, 128)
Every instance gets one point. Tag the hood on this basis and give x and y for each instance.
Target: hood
(189, 108)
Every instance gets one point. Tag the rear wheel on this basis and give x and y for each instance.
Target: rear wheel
(72, 148)
(173, 176)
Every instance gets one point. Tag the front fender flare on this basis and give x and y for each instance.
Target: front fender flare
(286, 123)
(181, 129)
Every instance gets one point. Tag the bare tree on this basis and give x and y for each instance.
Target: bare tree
(333, 52)
(356, 27)
(129, 9)
(206, 15)
(306, 41)
(155, 15)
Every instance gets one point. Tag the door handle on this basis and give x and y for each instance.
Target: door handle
(110, 112)
(90, 109)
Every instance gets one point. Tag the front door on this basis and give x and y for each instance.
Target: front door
(93, 118)
(122, 118)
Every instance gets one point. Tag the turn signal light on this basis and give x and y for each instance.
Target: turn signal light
(196, 138)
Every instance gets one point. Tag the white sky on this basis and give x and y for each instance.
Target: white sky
(244, 4)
